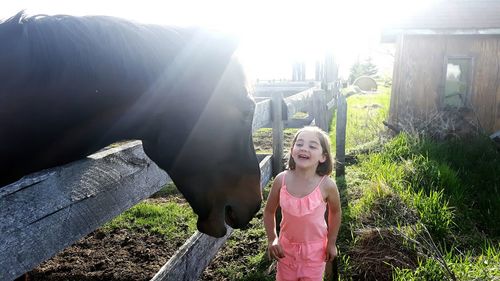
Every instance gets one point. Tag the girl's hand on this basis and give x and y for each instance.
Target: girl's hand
(331, 252)
(275, 250)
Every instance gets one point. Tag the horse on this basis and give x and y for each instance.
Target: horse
(70, 86)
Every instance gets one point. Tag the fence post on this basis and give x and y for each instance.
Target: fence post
(320, 110)
(277, 100)
(340, 135)
(332, 94)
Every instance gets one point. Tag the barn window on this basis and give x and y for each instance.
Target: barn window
(458, 82)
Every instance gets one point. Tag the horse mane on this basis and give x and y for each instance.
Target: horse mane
(104, 47)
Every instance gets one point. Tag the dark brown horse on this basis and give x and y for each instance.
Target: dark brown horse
(72, 85)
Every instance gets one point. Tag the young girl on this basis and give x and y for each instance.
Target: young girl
(303, 192)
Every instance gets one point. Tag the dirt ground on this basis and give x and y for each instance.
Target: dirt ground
(123, 254)
(117, 255)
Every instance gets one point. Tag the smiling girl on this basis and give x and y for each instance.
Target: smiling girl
(306, 241)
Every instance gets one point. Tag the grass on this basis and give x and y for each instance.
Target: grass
(170, 190)
(364, 118)
(170, 219)
(449, 213)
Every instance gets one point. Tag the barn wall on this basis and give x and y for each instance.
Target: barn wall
(419, 75)
(396, 81)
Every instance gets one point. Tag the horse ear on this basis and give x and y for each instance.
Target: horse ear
(17, 19)
(13, 24)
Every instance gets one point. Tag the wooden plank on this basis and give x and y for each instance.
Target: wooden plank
(45, 212)
(331, 104)
(397, 80)
(285, 83)
(319, 110)
(270, 90)
(267, 93)
(260, 99)
(299, 102)
(287, 88)
(192, 258)
(418, 78)
(262, 115)
(340, 136)
(484, 81)
(332, 96)
(266, 170)
(189, 262)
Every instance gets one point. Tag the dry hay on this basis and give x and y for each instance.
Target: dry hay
(377, 251)
(441, 125)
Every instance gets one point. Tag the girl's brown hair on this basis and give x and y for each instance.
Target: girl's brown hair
(324, 168)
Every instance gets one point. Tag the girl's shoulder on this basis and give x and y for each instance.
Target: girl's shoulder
(280, 176)
(328, 185)
(279, 179)
(330, 182)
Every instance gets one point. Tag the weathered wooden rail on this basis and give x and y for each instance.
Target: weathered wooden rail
(47, 211)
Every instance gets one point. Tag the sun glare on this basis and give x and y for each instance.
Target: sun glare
(273, 34)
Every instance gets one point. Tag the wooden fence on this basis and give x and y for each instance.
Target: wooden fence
(45, 212)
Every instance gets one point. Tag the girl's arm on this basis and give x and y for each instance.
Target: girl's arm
(272, 204)
(334, 218)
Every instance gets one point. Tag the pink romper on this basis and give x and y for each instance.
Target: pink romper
(303, 235)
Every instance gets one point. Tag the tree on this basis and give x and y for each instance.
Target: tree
(366, 68)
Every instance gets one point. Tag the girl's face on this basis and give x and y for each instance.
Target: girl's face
(307, 151)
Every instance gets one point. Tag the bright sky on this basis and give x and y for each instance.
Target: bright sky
(273, 34)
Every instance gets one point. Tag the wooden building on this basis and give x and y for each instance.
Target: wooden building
(448, 59)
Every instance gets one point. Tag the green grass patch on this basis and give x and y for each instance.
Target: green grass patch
(435, 186)
(365, 114)
(462, 266)
(170, 219)
(442, 196)
(167, 191)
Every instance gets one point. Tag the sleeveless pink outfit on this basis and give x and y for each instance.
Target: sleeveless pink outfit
(303, 235)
